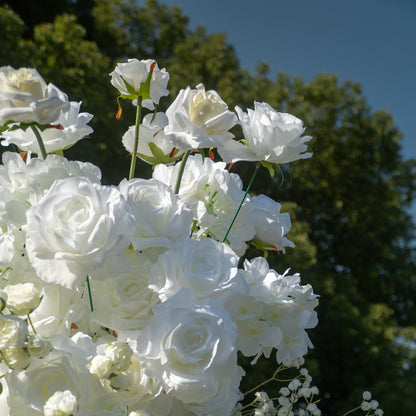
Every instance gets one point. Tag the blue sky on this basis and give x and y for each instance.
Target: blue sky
(372, 42)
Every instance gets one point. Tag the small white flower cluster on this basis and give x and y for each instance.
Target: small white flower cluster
(370, 406)
(297, 398)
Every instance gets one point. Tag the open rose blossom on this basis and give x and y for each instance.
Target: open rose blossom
(25, 97)
(270, 136)
(74, 228)
(199, 119)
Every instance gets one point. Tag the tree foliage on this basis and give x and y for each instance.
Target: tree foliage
(348, 203)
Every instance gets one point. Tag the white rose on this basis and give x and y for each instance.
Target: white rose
(13, 330)
(270, 136)
(199, 119)
(72, 127)
(124, 302)
(61, 403)
(65, 368)
(22, 298)
(154, 145)
(120, 354)
(75, 226)
(161, 216)
(189, 347)
(102, 366)
(129, 77)
(25, 97)
(271, 225)
(206, 267)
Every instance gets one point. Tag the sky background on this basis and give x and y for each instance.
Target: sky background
(372, 42)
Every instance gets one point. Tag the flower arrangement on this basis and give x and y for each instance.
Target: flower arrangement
(131, 299)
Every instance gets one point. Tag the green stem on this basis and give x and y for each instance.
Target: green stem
(273, 378)
(40, 141)
(136, 138)
(89, 293)
(181, 170)
(352, 410)
(31, 324)
(242, 201)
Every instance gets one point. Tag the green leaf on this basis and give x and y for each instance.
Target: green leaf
(269, 166)
(157, 152)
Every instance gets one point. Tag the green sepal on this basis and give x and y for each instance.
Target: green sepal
(269, 166)
(158, 156)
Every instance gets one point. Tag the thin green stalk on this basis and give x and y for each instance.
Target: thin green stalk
(242, 201)
(89, 293)
(352, 410)
(40, 141)
(136, 138)
(181, 170)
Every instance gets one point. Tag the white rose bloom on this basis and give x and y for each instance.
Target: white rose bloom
(206, 267)
(269, 135)
(22, 298)
(120, 354)
(134, 73)
(161, 216)
(61, 403)
(65, 368)
(214, 195)
(151, 134)
(25, 97)
(124, 302)
(101, 366)
(59, 310)
(71, 127)
(74, 228)
(13, 331)
(199, 119)
(190, 348)
(271, 225)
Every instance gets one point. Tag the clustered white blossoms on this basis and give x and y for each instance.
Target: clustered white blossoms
(129, 299)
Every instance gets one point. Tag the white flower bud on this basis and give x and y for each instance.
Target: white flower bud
(120, 354)
(22, 298)
(366, 395)
(38, 346)
(13, 330)
(16, 358)
(102, 366)
(61, 403)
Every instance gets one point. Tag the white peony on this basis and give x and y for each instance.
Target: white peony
(25, 97)
(199, 119)
(74, 228)
(269, 135)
